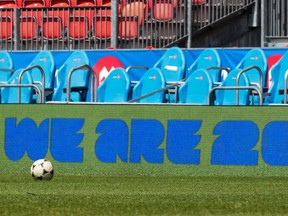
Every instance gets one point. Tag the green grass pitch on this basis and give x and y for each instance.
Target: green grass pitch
(143, 195)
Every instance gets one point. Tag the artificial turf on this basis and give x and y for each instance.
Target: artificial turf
(143, 195)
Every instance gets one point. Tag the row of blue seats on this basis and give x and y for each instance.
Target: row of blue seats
(167, 81)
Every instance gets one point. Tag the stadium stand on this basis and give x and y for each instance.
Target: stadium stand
(196, 88)
(115, 88)
(160, 23)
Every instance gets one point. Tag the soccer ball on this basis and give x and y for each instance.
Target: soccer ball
(42, 169)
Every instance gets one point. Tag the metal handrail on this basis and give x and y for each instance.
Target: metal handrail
(42, 80)
(285, 87)
(260, 78)
(93, 82)
(234, 88)
(22, 86)
(157, 91)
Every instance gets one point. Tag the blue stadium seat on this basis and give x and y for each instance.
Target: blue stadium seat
(115, 88)
(278, 71)
(207, 58)
(6, 66)
(45, 60)
(228, 97)
(255, 57)
(151, 81)
(10, 94)
(196, 88)
(172, 64)
(79, 78)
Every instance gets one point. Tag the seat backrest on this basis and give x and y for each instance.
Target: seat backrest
(6, 28)
(172, 64)
(207, 58)
(78, 28)
(278, 78)
(163, 10)
(196, 88)
(52, 28)
(128, 28)
(33, 3)
(255, 57)
(102, 27)
(115, 88)
(10, 94)
(60, 3)
(151, 81)
(45, 60)
(228, 97)
(79, 78)
(84, 3)
(28, 28)
(6, 63)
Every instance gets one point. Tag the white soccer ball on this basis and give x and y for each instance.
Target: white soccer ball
(42, 169)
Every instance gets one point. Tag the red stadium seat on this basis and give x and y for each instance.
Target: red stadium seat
(52, 27)
(102, 27)
(28, 28)
(128, 28)
(107, 11)
(163, 10)
(78, 28)
(6, 28)
(8, 3)
(195, 2)
(32, 8)
(52, 31)
(84, 9)
(7, 9)
(135, 9)
(60, 9)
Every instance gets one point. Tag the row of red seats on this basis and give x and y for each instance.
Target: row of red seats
(48, 3)
(162, 10)
(67, 3)
(78, 28)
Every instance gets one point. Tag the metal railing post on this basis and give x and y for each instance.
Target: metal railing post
(114, 20)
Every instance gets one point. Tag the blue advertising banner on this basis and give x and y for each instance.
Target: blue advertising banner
(229, 57)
